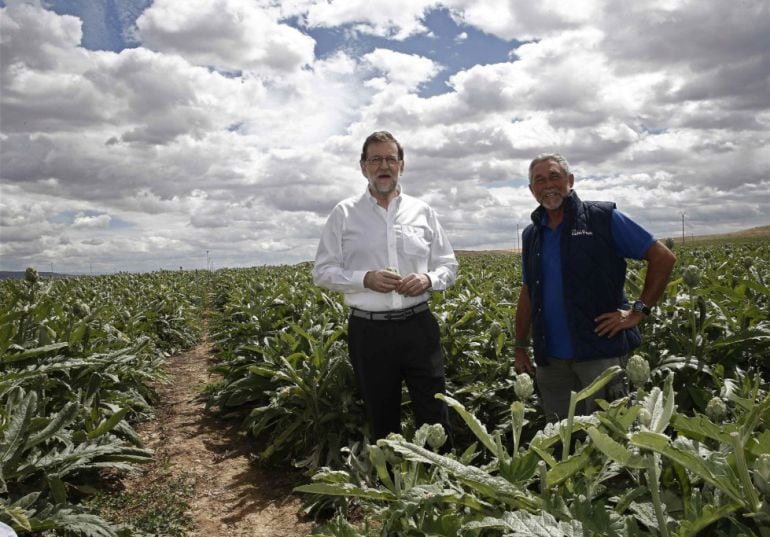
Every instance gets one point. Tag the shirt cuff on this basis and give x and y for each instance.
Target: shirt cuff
(435, 281)
(358, 279)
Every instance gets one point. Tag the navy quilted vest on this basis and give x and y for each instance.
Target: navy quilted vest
(593, 276)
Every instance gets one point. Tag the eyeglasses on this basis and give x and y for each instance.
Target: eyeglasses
(389, 160)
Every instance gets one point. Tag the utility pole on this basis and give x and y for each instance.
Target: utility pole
(517, 237)
(682, 228)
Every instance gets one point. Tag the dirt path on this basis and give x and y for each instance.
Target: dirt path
(232, 496)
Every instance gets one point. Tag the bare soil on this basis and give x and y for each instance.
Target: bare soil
(232, 496)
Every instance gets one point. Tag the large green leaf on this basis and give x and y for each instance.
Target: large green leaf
(491, 486)
(58, 490)
(478, 428)
(55, 424)
(660, 404)
(615, 450)
(717, 474)
(14, 437)
(346, 489)
(34, 352)
(109, 424)
(567, 468)
(598, 383)
(708, 516)
(525, 524)
(699, 427)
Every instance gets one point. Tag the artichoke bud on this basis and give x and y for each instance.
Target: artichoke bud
(691, 276)
(523, 386)
(495, 329)
(433, 434)
(31, 275)
(638, 370)
(645, 418)
(761, 474)
(747, 262)
(716, 409)
(81, 309)
(45, 335)
(701, 302)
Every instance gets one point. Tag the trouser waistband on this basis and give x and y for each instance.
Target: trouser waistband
(392, 315)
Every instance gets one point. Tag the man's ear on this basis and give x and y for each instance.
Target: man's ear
(363, 169)
(571, 180)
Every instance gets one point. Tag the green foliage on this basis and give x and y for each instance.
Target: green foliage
(624, 478)
(282, 353)
(284, 363)
(716, 329)
(77, 357)
(686, 454)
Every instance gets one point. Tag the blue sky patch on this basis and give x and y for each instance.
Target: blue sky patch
(67, 218)
(455, 47)
(107, 24)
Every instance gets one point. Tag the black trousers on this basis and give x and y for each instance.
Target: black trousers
(385, 353)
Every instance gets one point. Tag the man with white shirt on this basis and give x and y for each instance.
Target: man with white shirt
(385, 251)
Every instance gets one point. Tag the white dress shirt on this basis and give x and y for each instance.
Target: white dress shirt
(360, 236)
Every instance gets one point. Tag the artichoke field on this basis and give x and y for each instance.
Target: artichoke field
(77, 360)
(686, 453)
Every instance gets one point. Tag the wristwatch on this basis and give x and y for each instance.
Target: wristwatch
(640, 306)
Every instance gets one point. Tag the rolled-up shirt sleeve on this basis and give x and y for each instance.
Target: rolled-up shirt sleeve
(442, 264)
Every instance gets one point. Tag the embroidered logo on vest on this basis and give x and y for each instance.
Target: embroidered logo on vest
(582, 233)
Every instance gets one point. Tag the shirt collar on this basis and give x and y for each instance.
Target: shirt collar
(396, 200)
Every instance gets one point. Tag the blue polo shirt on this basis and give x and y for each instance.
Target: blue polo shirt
(630, 241)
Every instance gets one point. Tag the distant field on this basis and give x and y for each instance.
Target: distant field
(752, 233)
(761, 232)
(755, 233)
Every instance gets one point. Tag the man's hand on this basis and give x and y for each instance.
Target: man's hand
(382, 281)
(609, 324)
(522, 363)
(414, 285)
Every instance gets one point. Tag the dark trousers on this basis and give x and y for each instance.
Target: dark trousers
(561, 377)
(385, 353)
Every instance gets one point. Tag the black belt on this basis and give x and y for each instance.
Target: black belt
(393, 315)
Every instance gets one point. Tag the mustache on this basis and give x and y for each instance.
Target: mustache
(548, 192)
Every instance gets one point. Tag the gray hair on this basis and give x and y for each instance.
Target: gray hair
(545, 157)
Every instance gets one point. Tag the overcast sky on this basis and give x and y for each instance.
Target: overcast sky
(142, 135)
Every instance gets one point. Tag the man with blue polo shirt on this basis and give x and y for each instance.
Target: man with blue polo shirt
(572, 297)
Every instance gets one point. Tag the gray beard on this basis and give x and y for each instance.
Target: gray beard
(558, 205)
